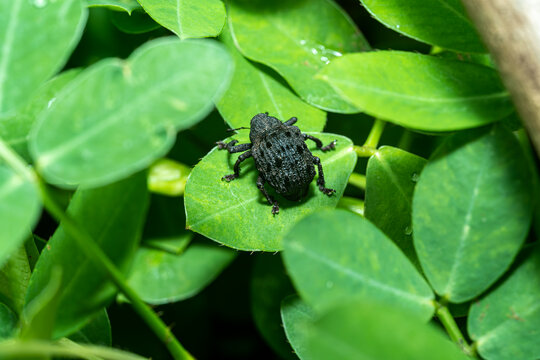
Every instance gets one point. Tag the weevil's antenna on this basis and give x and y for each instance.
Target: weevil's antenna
(240, 128)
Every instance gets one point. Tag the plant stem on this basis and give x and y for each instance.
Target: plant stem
(15, 162)
(375, 134)
(362, 151)
(370, 145)
(32, 349)
(96, 255)
(453, 330)
(358, 180)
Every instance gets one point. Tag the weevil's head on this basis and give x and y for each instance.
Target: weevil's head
(261, 124)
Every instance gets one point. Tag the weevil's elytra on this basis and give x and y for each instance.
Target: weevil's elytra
(281, 157)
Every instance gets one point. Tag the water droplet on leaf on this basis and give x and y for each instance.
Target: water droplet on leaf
(414, 177)
(39, 3)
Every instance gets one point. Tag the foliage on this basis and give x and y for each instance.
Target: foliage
(108, 129)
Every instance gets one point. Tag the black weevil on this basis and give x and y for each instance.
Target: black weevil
(281, 156)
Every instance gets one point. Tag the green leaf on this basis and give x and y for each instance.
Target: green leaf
(97, 331)
(269, 286)
(420, 91)
(14, 278)
(334, 255)
(8, 322)
(119, 116)
(371, 331)
(138, 22)
(113, 216)
(118, 5)
(505, 323)
(188, 18)
(14, 129)
(439, 23)
(160, 277)
(390, 179)
(237, 215)
(300, 38)
(19, 211)
(37, 320)
(37, 38)
(266, 94)
(295, 314)
(472, 209)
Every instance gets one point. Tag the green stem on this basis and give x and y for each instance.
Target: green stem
(32, 349)
(362, 151)
(352, 204)
(358, 180)
(15, 161)
(96, 255)
(370, 146)
(453, 330)
(375, 134)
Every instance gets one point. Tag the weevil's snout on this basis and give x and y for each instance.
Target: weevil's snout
(261, 123)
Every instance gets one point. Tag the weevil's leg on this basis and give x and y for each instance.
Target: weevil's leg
(320, 180)
(274, 203)
(231, 146)
(291, 121)
(318, 142)
(241, 158)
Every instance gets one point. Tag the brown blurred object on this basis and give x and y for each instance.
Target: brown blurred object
(511, 32)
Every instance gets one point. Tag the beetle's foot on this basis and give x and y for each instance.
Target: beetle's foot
(221, 145)
(327, 191)
(330, 146)
(230, 177)
(275, 208)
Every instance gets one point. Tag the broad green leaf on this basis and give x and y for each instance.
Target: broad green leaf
(97, 331)
(8, 322)
(269, 286)
(14, 278)
(14, 129)
(236, 213)
(118, 116)
(19, 211)
(472, 209)
(266, 94)
(390, 179)
(160, 277)
(295, 315)
(119, 5)
(188, 18)
(333, 256)
(138, 22)
(504, 324)
(441, 23)
(371, 331)
(113, 216)
(36, 37)
(37, 319)
(297, 39)
(420, 91)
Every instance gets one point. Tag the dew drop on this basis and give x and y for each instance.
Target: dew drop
(329, 284)
(408, 230)
(414, 177)
(397, 26)
(39, 3)
(49, 104)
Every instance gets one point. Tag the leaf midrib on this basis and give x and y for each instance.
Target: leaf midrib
(369, 282)
(7, 47)
(357, 85)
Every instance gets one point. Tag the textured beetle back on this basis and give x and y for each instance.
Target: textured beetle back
(285, 162)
